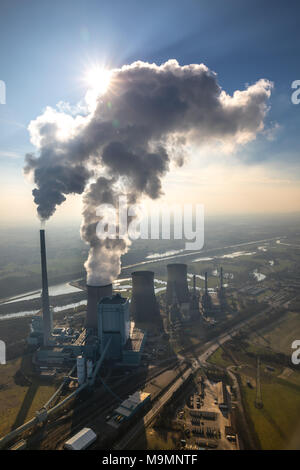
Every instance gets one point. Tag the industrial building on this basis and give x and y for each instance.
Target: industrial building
(109, 333)
(212, 303)
(129, 407)
(222, 396)
(126, 341)
(82, 440)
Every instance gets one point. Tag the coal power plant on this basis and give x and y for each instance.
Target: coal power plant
(94, 295)
(177, 285)
(113, 334)
(144, 306)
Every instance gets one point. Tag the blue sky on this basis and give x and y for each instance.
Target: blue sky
(46, 46)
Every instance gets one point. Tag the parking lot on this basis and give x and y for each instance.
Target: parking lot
(205, 425)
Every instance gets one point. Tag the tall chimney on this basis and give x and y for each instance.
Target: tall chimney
(94, 295)
(206, 284)
(47, 324)
(144, 306)
(221, 278)
(177, 280)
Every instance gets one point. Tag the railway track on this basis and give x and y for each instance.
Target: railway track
(56, 432)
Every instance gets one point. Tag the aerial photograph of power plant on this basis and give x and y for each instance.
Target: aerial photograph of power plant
(150, 229)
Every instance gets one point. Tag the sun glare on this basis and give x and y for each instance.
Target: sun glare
(98, 79)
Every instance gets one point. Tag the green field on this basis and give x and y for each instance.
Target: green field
(219, 358)
(283, 333)
(20, 401)
(277, 423)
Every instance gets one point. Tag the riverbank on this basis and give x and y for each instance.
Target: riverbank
(34, 305)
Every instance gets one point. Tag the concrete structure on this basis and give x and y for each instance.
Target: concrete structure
(36, 335)
(94, 295)
(177, 282)
(47, 318)
(194, 306)
(58, 356)
(221, 292)
(89, 369)
(82, 440)
(132, 351)
(221, 279)
(206, 300)
(144, 306)
(81, 370)
(114, 322)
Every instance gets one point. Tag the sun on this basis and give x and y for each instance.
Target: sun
(98, 79)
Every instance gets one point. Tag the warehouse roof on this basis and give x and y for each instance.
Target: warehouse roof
(81, 440)
(128, 406)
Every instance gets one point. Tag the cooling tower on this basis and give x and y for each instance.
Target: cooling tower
(177, 283)
(144, 306)
(94, 295)
(47, 323)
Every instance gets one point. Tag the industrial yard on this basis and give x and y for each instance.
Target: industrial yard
(88, 352)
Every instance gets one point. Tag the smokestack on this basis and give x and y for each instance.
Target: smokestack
(94, 295)
(194, 285)
(144, 306)
(177, 281)
(206, 284)
(47, 323)
(221, 278)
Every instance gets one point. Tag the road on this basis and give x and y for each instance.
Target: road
(142, 424)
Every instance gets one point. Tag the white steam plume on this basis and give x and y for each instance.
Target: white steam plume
(126, 141)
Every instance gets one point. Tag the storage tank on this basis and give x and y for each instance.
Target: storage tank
(144, 306)
(94, 295)
(177, 283)
(81, 370)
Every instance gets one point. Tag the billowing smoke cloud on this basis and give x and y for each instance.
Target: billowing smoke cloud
(125, 142)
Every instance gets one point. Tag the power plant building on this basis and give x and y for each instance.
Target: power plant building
(114, 323)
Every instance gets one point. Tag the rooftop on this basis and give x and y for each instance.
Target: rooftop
(114, 299)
